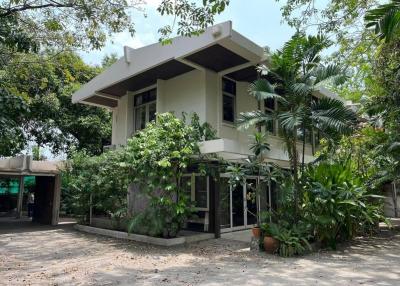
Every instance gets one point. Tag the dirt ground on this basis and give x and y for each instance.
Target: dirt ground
(39, 255)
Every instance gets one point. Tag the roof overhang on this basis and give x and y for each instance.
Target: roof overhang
(219, 48)
(25, 166)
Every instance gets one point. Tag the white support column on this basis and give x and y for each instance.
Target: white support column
(56, 200)
(20, 196)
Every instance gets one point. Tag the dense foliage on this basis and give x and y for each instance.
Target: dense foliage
(99, 182)
(46, 79)
(337, 203)
(49, 118)
(153, 163)
(29, 26)
(293, 80)
(158, 157)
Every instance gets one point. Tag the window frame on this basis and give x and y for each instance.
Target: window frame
(146, 105)
(231, 95)
(193, 190)
(274, 122)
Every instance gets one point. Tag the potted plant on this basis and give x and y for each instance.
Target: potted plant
(270, 243)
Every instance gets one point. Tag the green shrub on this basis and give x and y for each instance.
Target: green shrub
(337, 204)
(293, 239)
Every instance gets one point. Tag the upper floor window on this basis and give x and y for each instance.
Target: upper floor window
(145, 108)
(269, 105)
(228, 100)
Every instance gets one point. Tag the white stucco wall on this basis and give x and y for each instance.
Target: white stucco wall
(120, 123)
(200, 92)
(184, 93)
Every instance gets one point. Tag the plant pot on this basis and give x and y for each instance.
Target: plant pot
(256, 231)
(270, 244)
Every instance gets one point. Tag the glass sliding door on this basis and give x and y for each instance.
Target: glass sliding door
(251, 201)
(225, 203)
(238, 205)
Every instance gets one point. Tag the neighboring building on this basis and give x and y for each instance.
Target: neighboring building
(207, 74)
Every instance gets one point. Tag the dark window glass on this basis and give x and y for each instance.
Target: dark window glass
(152, 111)
(228, 108)
(186, 185)
(228, 86)
(145, 97)
(140, 117)
(269, 103)
(201, 192)
(224, 203)
(269, 126)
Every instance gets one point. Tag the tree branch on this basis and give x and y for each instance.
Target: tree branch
(16, 9)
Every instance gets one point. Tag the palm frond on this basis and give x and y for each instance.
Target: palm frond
(331, 114)
(292, 120)
(299, 89)
(330, 74)
(261, 89)
(394, 146)
(385, 20)
(251, 118)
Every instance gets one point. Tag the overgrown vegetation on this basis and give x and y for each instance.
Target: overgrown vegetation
(153, 163)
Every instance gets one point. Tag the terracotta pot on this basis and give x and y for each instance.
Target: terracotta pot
(270, 244)
(256, 231)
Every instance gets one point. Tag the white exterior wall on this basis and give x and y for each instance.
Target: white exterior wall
(184, 93)
(120, 123)
(200, 92)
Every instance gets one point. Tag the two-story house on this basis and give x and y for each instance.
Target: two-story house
(207, 74)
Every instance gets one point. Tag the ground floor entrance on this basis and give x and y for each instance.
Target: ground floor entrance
(239, 205)
(30, 189)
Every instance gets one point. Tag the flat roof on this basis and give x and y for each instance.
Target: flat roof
(219, 48)
(25, 166)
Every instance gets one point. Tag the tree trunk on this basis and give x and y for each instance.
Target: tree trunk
(259, 108)
(304, 148)
(295, 175)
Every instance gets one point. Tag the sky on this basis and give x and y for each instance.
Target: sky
(258, 20)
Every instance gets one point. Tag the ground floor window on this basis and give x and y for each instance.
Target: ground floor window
(197, 188)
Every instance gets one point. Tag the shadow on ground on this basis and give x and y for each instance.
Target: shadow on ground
(34, 254)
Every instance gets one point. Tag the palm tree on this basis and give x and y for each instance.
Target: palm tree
(295, 75)
(385, 20)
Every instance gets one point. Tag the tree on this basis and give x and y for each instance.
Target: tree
(64, 24)
(295, 75)
(343, 22)
(158, 157)
(385, 20)
(12, 138)
(51, 119)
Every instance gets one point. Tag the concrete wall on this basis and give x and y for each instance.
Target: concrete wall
(201, 92)
(122, 120)
(389, 201)
(184, 93)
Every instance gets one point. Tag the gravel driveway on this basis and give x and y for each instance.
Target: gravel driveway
(39, 255)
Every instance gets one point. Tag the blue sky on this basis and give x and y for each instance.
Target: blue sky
(258, 20)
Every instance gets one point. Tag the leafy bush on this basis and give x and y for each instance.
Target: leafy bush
(293, 239)
(337, 204)
(157, 157)
(100, 179)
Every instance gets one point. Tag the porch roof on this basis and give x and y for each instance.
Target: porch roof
(219, 48)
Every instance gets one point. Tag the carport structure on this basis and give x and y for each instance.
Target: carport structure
(47, 189)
